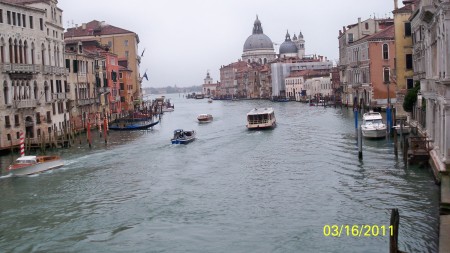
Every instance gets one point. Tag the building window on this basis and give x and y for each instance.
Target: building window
(19, 23)
(350, 38)
(120, 75)
(7, 122)
(14, 18)
(16, 120)
(126, 54)
(109, 43)
(38, 118)
(367, 26)
(409, 61)
(386, 75)
(1, 16)
(407, 29)
(125, 43)
(24, 19)
(18, 135)
(41, 24)
(385, 52)
(409, 83)
(8, 17)
(31, 22)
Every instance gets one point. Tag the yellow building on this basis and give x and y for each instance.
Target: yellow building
(122, 42)
(403, 46)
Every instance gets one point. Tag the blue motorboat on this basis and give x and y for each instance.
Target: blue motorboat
(183, 137)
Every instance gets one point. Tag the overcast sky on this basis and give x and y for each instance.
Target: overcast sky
(185, 38)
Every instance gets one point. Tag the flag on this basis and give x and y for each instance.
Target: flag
(142, 55)
(145, 75)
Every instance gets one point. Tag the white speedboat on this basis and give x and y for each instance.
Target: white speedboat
(373, 126)
(261, 118)
(30, 165)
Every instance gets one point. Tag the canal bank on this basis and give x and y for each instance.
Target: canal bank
(231, 190)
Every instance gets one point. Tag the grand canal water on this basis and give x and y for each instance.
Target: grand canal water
(232, 190)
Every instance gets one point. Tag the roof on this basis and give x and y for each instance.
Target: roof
(95, 28)
(258, 111)
(24, 2)
(372, 116)
(387, 33)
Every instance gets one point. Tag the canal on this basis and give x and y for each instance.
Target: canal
(231, 190)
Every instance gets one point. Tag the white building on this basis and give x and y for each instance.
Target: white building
(431, 54)
(209, 88)
(31, 70)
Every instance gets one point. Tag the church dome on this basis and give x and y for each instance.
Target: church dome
(288, 46)
(258, 40)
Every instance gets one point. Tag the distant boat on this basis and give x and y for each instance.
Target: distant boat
(30, 165)
(210, 100)
(204, 118)
(131, 125)
(183, 137)
(373, 126)
(261, 118)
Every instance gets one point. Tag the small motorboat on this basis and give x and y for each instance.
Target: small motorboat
(30, 165)
(210, 100)
(204, 118)
(373, 126)
(183, 137)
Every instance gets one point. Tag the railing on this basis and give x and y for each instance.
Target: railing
(419, 114)
(26, 103)
(86, 101)
(59, 96)
(54, 70)
(253, 122)
(16, 67)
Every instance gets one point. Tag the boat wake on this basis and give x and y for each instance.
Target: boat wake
(6, 176)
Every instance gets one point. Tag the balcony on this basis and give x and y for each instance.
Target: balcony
(59, 96)
(47, 70)
(25, 103)
(19, 68)
(104, 90)
(86, 101)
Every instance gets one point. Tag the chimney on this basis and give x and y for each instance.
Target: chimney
(395, 4)
(359, 28)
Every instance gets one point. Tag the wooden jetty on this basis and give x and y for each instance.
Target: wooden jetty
(419, 149)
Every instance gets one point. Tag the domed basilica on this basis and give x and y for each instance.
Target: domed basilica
(259, 47)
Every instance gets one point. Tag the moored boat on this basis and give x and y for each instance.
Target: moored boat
(30, 165)
(261, 118)
(373, 126)
(183, 137)
(204, 118)
(131, 125)
(210, 100)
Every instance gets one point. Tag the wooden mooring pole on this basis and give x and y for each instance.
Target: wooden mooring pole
(393, 231)
(360, 149)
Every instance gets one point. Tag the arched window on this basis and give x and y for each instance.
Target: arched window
(16, 55)
(43, 54)
(2, 51)
(20, 52)
(32, 53)
(385, 52)
(11, 51)
(5, 92)
(25, 52)
(35, 90)
(46, 91)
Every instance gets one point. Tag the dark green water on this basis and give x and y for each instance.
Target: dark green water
(231, 190)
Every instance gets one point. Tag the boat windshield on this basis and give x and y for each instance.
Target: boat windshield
(373, 122)
(25, 161)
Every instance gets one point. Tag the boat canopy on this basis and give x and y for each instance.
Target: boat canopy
(258, 111)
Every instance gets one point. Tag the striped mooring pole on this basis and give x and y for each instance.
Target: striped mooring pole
(22, 144)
